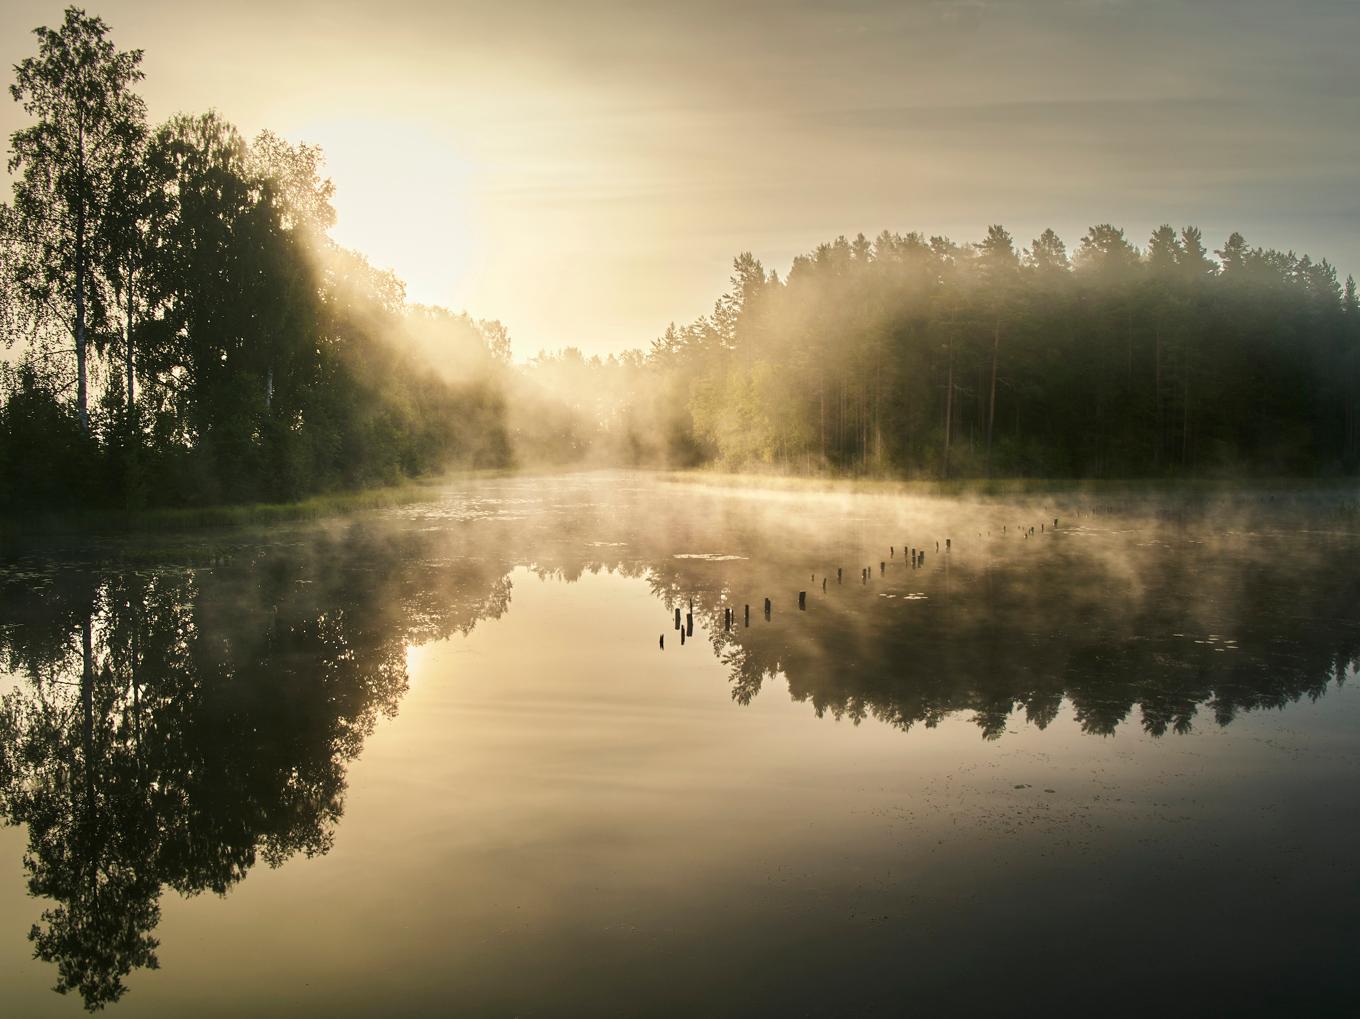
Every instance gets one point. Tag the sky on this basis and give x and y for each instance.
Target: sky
(586, 171)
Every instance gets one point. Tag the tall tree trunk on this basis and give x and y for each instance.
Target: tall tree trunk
(821, 406)
(948, 409)
(82, 407)
(991, 402)
(1157, 397)
(1185, 415)
(127, 351)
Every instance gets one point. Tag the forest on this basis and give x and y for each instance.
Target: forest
(188, 333)
(184, 331)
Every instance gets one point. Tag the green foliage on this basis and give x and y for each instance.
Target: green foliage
(236, 353)
(919, 357)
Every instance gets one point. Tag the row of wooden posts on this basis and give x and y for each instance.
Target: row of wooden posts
(918, 561)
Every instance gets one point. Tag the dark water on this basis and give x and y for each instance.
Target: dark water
(433, 761)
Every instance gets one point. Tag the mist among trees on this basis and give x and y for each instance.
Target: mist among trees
(188, 333)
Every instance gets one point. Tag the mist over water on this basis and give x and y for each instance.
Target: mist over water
(444, 743)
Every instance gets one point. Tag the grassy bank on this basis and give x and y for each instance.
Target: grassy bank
(241, 515)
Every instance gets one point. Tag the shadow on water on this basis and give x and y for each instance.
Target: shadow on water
(171, 725)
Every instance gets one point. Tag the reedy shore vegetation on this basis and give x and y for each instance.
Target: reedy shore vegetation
(188, 334)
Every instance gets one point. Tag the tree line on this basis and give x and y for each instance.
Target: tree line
(920, 356)
(189, 332)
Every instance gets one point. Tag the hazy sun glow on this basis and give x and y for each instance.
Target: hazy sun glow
(586, 172)
(404, 197)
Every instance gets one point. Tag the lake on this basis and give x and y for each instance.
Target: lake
(1086, 751)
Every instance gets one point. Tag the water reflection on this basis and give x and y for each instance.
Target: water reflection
(174, 726)
(1002, 636)
(177, 719)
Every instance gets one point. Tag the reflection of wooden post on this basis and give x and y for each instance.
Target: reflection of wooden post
(748, 615)
(947, 543)
(767, 610)
(682, 638)
(921, 559)
(881, 567)
(838, 574)
(892, 552)
(824, 584)
(1055, 523)
(689, 623)
(802, 601)
(677, 619)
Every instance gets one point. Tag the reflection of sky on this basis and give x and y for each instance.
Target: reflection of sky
(560, 811)
(558, 796)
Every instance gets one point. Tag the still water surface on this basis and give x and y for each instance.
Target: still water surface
(434, 760)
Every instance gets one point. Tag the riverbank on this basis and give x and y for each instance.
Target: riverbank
(241, 515)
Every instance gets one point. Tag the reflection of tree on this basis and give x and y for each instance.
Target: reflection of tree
(176, 726)
(1025, 635)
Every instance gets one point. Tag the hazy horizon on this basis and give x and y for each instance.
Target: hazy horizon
(586, 172)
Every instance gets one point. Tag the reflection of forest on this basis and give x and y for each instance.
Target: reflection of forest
(1190, 630)
(172, 725)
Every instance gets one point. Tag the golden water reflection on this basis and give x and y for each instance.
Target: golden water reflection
(459, 712)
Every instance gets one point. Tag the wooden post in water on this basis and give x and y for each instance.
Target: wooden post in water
(689, 623)
(823, 585)
(727, 619)
(802, 601)
(948, 543)
(881, 567)
(921, 558)
(838, 574)
(748, 615)
(767, 610)
(663, 642)
(677, 619)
